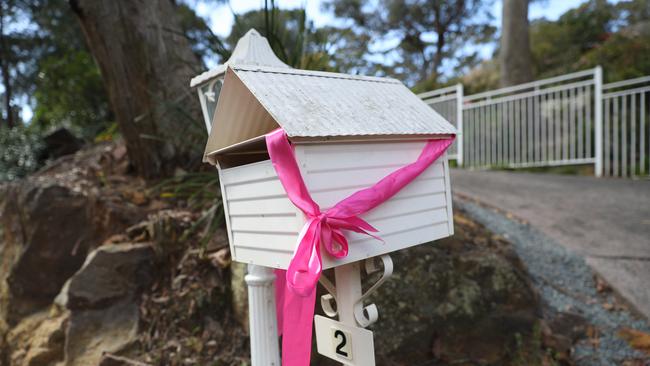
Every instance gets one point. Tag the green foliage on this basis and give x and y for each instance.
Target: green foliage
(53, 70)
(482, 78)
(16, 43)
(293, 39)
(19, 150)
(204, 42)
(200, 192)
(69, 92)
(615, 36)
(110, 133)
(285, 30)
(624, 55)
(557, 45)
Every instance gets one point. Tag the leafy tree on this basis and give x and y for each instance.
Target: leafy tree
(19, 153)
(615, 36)
(624, 55)
(205, 44)
(50, 68)
(16, 41)
(69, 92)
(286, 30)
(558, 44)
(431, 35)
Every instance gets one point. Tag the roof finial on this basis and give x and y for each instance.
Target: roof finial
(251, 49)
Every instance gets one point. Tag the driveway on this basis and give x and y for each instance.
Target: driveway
(605, 220)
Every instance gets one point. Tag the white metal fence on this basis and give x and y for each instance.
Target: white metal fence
(626, 134)
(448, 102)
(564, 120)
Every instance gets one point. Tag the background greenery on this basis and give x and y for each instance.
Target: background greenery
(53, 72)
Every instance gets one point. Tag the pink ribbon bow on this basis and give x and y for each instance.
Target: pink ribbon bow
(296, 289)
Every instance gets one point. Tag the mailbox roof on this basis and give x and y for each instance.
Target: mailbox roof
(314, 105)
(323, 104)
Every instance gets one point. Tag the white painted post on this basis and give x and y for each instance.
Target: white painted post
(598, 120)
(459, 123)
(348, 291)
(262, 319)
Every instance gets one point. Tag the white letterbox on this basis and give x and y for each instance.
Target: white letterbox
(348, 133)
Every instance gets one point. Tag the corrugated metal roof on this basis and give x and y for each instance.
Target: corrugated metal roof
(321, 104)
(251, 49)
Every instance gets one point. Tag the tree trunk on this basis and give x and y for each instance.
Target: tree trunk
(4, 69)
(6, 82)
(146, 63)
(514, 56)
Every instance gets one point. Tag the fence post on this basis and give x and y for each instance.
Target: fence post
(598, 116)
(459, 123)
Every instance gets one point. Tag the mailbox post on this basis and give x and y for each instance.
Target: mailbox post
(262, 320)
(348, 133)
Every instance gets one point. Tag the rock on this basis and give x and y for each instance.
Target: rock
(460, 304)
(113, 360)
(568, 324)
(464, 300)
(60, 142)
(112, 272)
(38, 339)
(36, 258)
(48, 223)
(104, 298)
(91, 333)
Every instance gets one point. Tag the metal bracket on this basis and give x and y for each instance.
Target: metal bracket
(327, 300)
(364, 315)
(367, 315)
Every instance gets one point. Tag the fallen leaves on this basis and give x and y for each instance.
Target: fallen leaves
(601, 285)
(593, 336)
(136, 197)
(636, 339)
(221, 258)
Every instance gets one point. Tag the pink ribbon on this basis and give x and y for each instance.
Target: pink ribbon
(296, 287)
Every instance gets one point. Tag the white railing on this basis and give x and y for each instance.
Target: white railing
(543, 123)
(626, 133)
(448, 102)
(571, 119)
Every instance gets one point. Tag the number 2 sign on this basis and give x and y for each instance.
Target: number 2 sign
(343, 343)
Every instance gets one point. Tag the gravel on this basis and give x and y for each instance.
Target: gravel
(566, 283)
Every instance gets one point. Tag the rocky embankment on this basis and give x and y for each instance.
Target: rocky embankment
(97, 270)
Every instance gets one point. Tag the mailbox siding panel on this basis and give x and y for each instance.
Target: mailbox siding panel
(264, 225)
(419, 213)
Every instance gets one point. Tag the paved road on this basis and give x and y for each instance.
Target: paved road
(605, 220)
